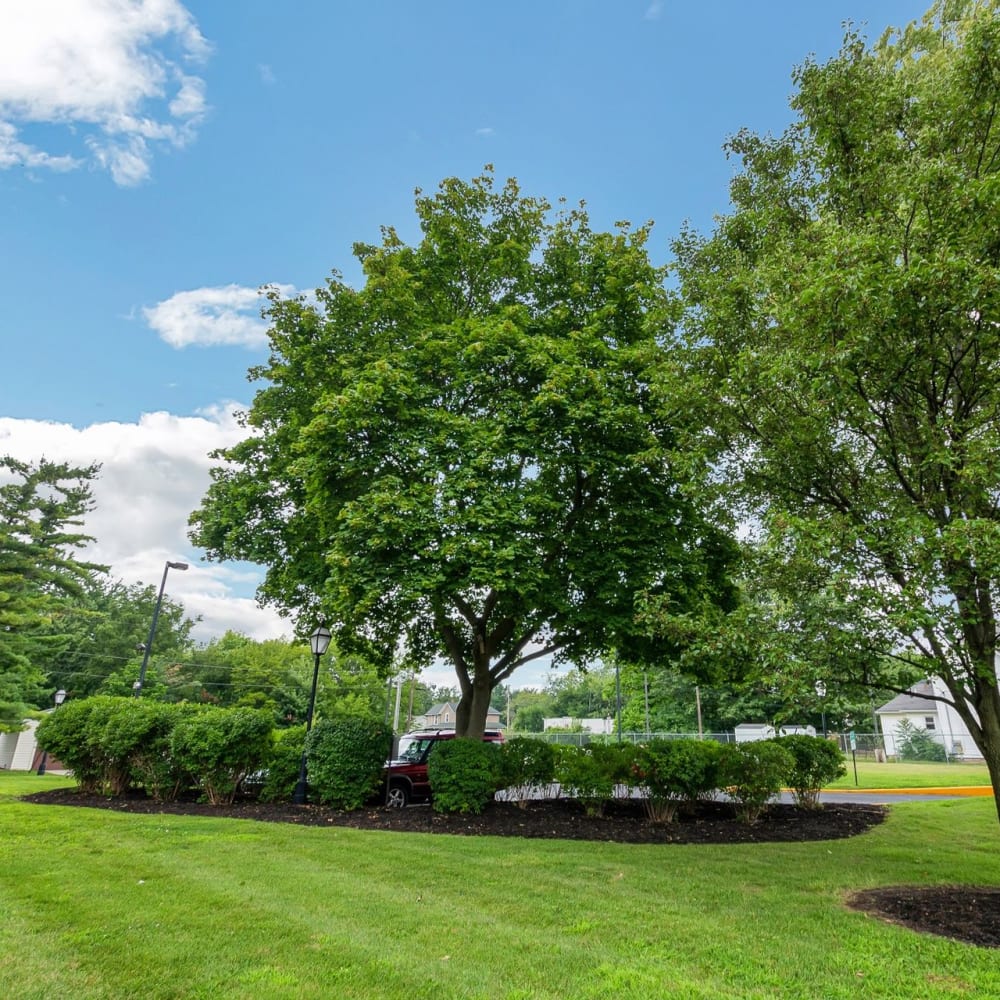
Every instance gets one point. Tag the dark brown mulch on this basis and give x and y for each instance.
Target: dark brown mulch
(966, 913)
(624, 822)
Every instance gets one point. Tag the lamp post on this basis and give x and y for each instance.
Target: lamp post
(319, 643)
(821, 694)
(59, 697)
(167, 567)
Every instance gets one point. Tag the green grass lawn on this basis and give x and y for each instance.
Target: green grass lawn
(95, 903)
(913, 775)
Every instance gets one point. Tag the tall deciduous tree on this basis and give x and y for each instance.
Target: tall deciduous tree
(42, 506)
(466, 455)
(846, 319)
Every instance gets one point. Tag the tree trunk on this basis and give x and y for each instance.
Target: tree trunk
(988, 710)
(470, 717)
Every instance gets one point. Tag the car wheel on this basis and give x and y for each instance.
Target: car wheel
(398, 797)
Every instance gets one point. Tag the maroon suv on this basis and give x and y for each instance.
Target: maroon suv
(407, 773)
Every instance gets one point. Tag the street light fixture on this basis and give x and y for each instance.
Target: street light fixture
(167, 567)
(319, 643)
(59, 697)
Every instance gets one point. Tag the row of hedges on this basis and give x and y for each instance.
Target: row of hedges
(666, 774)
(116, 745)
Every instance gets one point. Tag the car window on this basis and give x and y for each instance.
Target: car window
(415, 751)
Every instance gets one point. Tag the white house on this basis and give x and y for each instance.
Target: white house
(936, 718)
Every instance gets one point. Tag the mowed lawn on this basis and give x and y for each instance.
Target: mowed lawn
(95, 903)
(912, 774)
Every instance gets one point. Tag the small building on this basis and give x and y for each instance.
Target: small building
(17, 750)
(443, 716)
(922, 708)
(600, 727)
(20, 751)
(747, 732)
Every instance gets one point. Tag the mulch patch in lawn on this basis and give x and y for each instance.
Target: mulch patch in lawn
(966, 913)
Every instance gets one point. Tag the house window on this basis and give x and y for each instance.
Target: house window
(929, 722)
(447, 717)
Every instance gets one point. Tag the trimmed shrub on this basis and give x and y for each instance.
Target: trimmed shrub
(464, 775)
(592, 773)
(219, 747)
(751, 774)
(153, 766)
(65, 732)
(132, 738)
(527, 769)
(283, 764)
(345, 760)
(675, 773)
(818, 761)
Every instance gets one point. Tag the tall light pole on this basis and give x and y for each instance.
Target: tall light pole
(167, 567)
(319, 643)
(59, 697)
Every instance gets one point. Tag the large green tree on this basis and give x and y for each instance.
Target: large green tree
(845, 318)
(95, 637)
(465, 457)
(42, 507)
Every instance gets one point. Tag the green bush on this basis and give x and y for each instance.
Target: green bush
(219, 747)
(752, 774)
(592, 773)
(283, 764)
(64, 734)
(527, 768)
(464, 774)
(346, 758)
(153, 765)
(818, 761)
(914, 743)
(132, 739)
(676, 772)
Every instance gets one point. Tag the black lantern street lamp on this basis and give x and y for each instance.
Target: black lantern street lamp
(59, 697)
(319, 643)
(168, 566)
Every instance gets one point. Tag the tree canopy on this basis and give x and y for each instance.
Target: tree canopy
(42, 506)
(469, 457)
(844, 319)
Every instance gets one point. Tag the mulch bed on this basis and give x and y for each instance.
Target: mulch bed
(561, 819)
(965, 913)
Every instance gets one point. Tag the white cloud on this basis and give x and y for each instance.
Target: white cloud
(487, 131)
(114, 71)
(226, 314)
(654, 11)
(154, 473)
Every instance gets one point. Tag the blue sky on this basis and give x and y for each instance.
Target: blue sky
(160, 160)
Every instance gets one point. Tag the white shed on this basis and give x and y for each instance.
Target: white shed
(17, 750)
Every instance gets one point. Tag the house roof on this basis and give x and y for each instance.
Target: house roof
(917, 699)
(438, 709)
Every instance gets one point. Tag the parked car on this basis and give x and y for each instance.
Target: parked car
(406, 774)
